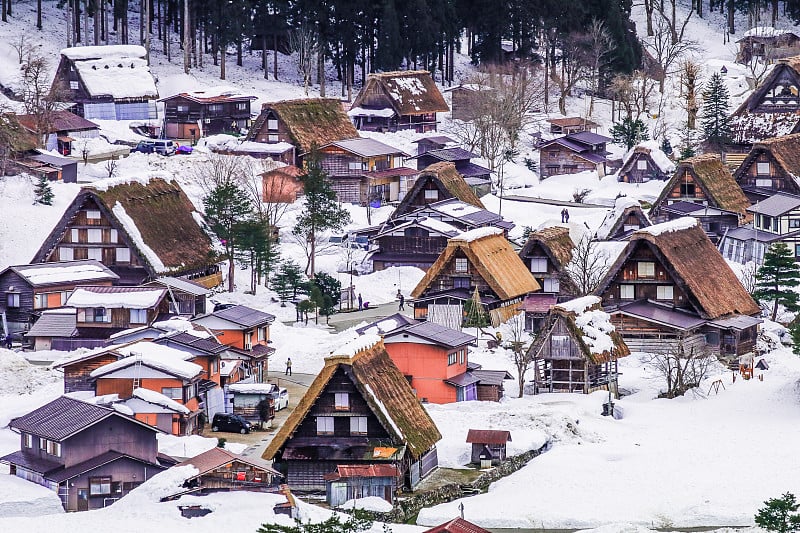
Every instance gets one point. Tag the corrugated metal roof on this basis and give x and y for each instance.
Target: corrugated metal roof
(589, 138)
(451, 338)
(488, 436)
(365, 147)
(656, 313)
(462, 380)
(457, 525)
(218, 457)
(184, 285)
(244, 316)
(438, 139)
(73, 272)
(737, 322)
(469, 170)
(491, 377)
(31, 462)
(347, 471)
(776, 205)
(538, 303)
(96, 462)
(451, 154)
(61, 324)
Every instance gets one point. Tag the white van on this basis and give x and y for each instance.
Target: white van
(165, 147)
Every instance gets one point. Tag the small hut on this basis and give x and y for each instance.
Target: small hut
(488, 446)
(220, 470)
(577, 349)
(350, 482)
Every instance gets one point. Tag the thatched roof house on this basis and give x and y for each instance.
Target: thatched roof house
(437, 182)
(479, 260)
(141, 230)
(391, 426)
(661, 285)
(303, 123)
(546, 255)
(398, 100)
(626, 216)
(772, 166)
(645, 162)
(702, 179)
(576, 348)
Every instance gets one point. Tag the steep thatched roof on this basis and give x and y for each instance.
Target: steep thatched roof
(785, 150)
(711, 174)
(492, 256)
(450, 183)
(556, 243)
(614, 220)
(412, 92)
(313, 121)
(695, 264)
(789, 66)
(585, 330)
(383, 387)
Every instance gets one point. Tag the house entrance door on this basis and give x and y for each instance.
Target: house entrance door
(83, 499)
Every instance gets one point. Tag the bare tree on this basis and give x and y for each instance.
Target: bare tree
(13, 138)
(305, 42)
(112, 167)
(680, 370)
(601, 47)
(23, 47)
(317, 247)
(467, 132)
(748, 276)
(665, 51)
(219, 170)
(519, 345)
(39, 99)
(757, 66)
(690, 78)
(573, 67)
(668, 12)
(588, 266)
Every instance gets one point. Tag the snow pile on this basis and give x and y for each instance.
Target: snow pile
(437, 225)
(164, 484)
(679, 224)
(189, 446)
(82, 298)
(381, 287)
(124, 409)
(457, 209)
(229, 143)
(20, 497)
(18, 376)
(64, 272)
(664, 163)
(96, 147)
(156, 398)
(135, 235)
(214, 91)
(765, 31)
(595, 324)
(622, 203)
(364, 342)
(479, 233)
(362, 112)
(117, 51)
(370, 503)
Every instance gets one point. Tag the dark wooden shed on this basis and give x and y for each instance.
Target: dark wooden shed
(488, 445)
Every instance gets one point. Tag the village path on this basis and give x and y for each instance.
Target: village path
(548, 201)
(342, 321)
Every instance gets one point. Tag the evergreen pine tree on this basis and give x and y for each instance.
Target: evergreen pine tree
(629, 132)
(321, 211)
(475, 314)
(779, 514)
(43, 191)
(777, 278)
(716, 110)
(227, 206)
(794, 331)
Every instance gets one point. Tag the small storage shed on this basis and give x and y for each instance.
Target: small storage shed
(488, 446)
(220, 470)
(350, 482)
(247, 397)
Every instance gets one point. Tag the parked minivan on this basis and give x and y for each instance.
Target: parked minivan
(230, 423)
(165, 147)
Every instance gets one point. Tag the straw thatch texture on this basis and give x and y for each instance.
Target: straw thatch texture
(389, 394)
(555, 241)
(494, 260)
(412, 92)
(785, 150)
(450, 183)
(314, 121)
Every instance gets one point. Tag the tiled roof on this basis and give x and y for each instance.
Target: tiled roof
(96, 462)
(217, 457)
(346, 471)
(457, 525)
(182, 285)
(59, 324)
(451, 338)
(244, 316)
(31, 462)
(488, 436)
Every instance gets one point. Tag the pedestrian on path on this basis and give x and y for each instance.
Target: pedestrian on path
(288, 366)
(566, 215)
(360, 302)
(402, 301)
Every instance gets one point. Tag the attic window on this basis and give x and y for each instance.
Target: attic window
(626, 292)
(73, 85)
(431, 194)
(538, 264)
(646, 269)
(664, 292)
(762, 169)
(93, 214)
(341, 401)
(461, 264)
(641, 164)
(324, 425)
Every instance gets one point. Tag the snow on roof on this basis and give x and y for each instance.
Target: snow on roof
(437, 225)
(479, 233)
(153, 355)
(228, 91)
(678, 224)
(134, 233)
(64, 272)
(364, 342)
(82, 298)
(362, 112)
(620, 205)
(765, 31)
(122, 408)
(228, 143)
(117, 76)
(253, 388)
(157, 398)
(595, 324)
(664, 163)
(117, 51)
(456, 209)
(382, 407)
(226, 368)
(179, 324)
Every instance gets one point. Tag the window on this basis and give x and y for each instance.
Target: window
(762, 169)
(183, 108)
(324, 425)
(687, 189)
(664, 292)
(113, 236)
(74, 235)
(93, 214)
(12, 299)
(551, 285)
(272, 138)
(40, 301)
(559, 345)
(461, 282)
(452, 358)
(215, 108)
(190, 391)
(431, 194)
(27, 440)
(99, 486)
(794, 223)
(641, 164)
(175, 393)
(95, 235)
(358, 425)
(138, 316)
(242, 106)
(94, 253)
(123, 255)
(646, 269)
(65, 254)
(626, 292)
(262, 334)
(461, 264)
(341, 401)
(93, 314)
(538, 264)
(354, 165)
(74, 85)
(761, 182)
(462, 355)
(54, 448)
(272, 124)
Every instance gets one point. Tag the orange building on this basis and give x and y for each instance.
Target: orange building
(159, 369)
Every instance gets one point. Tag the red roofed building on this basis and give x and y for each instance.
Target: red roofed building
(457, 525)
(350, 482)
(488, 445)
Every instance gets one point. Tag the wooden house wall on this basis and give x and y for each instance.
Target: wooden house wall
(263, 132)
(556, 159)
(125, 474)
(413, 244)
(121, 317)
(17, 317)
(462, 104)
(634, 174)
(66, 73)
(447, 276)
(114, 433)
(778, 96)
(643, 336)
(780, 180)
(375, 97)
(362, 487)
(489, 393)
(226, 477)
(349, 189)
(498, 452)
(194, 111)
(77, 376)
(681, 191)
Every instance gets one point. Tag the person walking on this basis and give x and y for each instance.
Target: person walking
(563, 211)
(8, 341)
(402, 301)
(360, 302)
(566, 215)
(288, 366)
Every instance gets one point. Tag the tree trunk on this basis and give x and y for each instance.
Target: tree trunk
(68, 17)
(264, 55)
(311, 265)
(186, 36)
(38, 14)
(77, 21)
(96, 20)
(231, 271)
(239, 52)
(774, 12)
(321, 73)
(275, 56)
(4, 8)
(731, 21)
(86, 22)
(222, 54)
(147, 29)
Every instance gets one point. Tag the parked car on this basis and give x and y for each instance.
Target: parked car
(338, 240)
(230, 423)
(145, 147)
(219, 306)
(165, 147)
(359, 241)
(183, 149)
(281, 397)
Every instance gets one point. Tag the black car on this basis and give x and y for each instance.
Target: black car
(230, 423)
